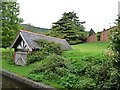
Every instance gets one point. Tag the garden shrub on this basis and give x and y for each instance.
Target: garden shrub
(80, 67)
(46, 48)
(55, 68)
(74, 74)
(98, 36)
(115, 56)
(8, 54)
(50, 47)
(50, 63)
(36, 56)
(88, 73)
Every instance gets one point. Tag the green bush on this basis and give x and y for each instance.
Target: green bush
(46, 48)
(85, 73)
(98, 36)
(36, 56)
(8, 54)
(54, 68)
(89, 73)
(50, 47)
(115, 47)
(50, 63)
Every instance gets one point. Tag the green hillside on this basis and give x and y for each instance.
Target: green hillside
(34, 29)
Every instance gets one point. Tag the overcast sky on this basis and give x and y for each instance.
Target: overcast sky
(98, 14)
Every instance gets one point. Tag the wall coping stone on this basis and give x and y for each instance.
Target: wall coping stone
(25, 80)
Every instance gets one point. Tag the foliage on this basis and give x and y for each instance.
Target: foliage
(115, 47)
(50, 63)
(85, 72)
(10, 22)
(74, 71)
(115, 39)
(103, 74)
(88, 73)
(8, 55)
(98, 36)
(69, 28)
(36, 56)
(91, 32)
(50, 47)
(46, 48)
(55, 68)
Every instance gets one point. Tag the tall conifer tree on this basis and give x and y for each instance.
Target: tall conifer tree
(69, 28)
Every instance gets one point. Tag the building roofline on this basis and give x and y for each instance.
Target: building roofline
(64, 44)
(108, 29)
(19, 34)
(26, 42)
(39, 34)
(15, 40)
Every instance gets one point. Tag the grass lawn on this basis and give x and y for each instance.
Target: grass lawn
(96, 49)
(20, 70)
(79, 51)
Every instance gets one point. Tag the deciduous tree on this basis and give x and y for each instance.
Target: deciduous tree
(10, 22)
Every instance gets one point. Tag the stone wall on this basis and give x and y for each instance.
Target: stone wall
(26, 81)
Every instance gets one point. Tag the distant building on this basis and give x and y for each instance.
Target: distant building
(25, 42)
(91, 38)
(104, 35)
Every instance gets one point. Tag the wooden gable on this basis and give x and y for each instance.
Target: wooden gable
(21, 44)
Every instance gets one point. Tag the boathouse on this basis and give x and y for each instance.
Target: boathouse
(25, 42)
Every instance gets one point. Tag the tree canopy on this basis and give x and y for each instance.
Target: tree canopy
(10, 22)
(69, 27)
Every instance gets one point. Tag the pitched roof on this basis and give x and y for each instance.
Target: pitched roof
(111, 28)
(31, 38)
